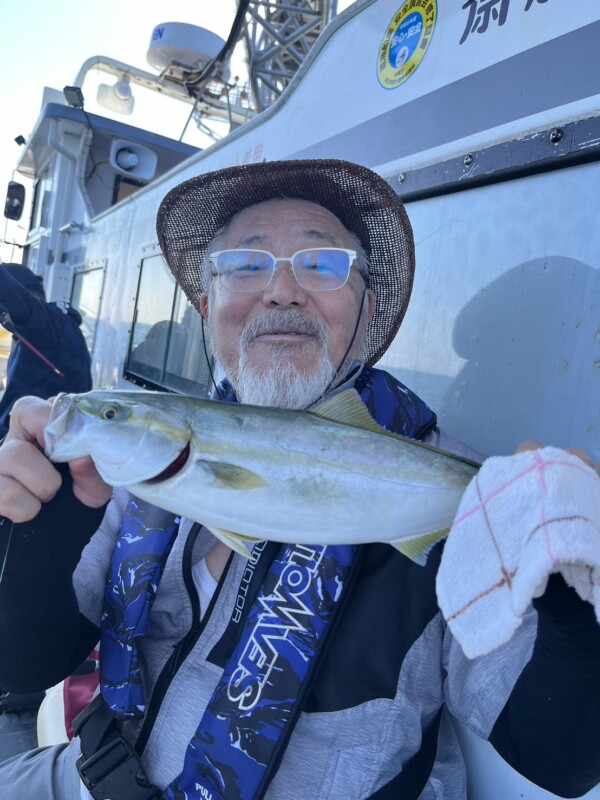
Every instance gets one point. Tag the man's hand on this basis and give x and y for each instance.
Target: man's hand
(531, 444)
(28, 478)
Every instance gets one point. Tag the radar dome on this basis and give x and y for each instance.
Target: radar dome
(178, 44)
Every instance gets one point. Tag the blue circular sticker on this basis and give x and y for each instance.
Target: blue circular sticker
(405, 42)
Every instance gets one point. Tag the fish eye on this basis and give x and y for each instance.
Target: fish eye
(108, 412)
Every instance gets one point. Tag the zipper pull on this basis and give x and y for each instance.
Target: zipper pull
(175, 658)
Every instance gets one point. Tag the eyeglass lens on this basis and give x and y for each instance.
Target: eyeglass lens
(319, 269)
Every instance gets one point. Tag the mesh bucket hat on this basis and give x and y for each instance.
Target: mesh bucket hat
(192, 213)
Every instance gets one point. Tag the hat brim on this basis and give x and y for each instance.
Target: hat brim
(192, 212)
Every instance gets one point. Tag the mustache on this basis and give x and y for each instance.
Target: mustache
(283, 321)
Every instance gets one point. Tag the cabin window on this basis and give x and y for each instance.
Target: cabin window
(85, 297)
(165, 346)
(40, 208)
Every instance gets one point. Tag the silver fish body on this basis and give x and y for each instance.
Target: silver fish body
(325, 476)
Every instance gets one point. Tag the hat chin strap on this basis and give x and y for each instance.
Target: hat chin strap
(207, 357)
(336, 377)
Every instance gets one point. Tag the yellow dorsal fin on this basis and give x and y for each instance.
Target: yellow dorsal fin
(347, 408)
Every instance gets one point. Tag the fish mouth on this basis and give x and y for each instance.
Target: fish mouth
(174, 467)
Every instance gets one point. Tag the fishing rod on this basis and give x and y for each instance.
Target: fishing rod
(36, 352)
(6, 549)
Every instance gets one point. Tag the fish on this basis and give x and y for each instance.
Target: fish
(327, 475)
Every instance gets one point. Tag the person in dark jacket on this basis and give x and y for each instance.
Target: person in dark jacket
(49, 353)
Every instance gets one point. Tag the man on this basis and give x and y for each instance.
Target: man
(303, 271)
(49, 354)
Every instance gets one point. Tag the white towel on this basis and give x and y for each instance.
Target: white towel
(521, 518)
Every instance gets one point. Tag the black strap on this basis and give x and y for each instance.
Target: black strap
(409, 783)
(109, 766)
(336, 614)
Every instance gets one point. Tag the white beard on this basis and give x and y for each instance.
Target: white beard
(281, 384)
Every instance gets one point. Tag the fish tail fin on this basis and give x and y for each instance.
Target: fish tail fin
(417, 549)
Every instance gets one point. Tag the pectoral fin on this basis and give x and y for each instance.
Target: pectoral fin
(230, 476)
(417, 549)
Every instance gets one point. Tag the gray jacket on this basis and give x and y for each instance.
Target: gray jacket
(349, 752)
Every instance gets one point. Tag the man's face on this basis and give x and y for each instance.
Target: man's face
(323, 322)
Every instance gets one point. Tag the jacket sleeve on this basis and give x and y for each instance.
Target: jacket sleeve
(29, 314)
(549, 728)
(43, 636)
(16, 299)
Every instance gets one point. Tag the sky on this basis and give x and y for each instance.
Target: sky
(45, 43)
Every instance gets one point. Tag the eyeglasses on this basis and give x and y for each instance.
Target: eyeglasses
(321, 269)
